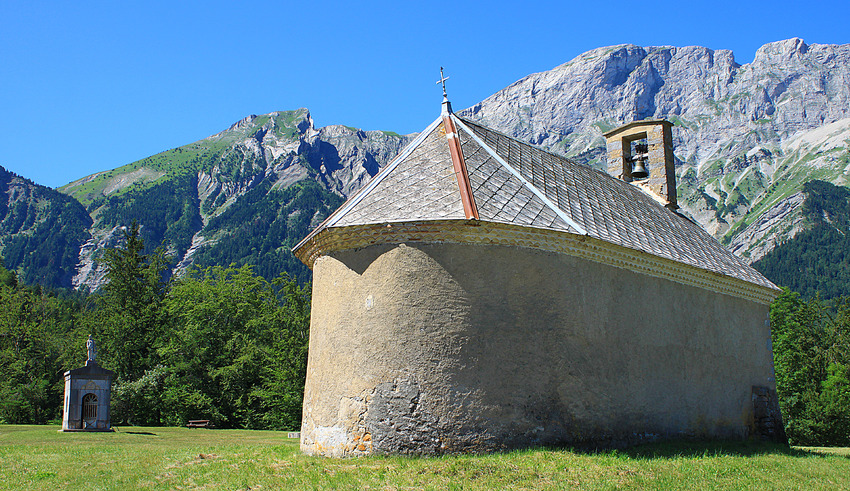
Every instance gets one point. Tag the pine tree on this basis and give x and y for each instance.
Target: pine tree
(129, 318)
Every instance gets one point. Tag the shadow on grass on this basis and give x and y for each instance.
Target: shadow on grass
(694, 449)
(677, 449)
(139, 433)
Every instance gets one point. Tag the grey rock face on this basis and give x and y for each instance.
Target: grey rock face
(348, 158)
(341, 157)
(746, 137)
(784, 219)
(280, 148)
(723, 111)
(795, 85)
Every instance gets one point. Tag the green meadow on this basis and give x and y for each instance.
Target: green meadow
(40, 457)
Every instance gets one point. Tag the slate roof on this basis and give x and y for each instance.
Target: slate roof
(516, 183)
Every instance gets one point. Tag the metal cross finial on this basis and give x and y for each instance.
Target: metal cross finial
(443, 81)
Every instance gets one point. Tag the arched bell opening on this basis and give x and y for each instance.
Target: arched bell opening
(643, 151)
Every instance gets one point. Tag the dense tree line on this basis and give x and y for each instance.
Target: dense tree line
(258, 229)
(220, 343)
(816, 260)
(811, 319)
(35, 331)
(811, 350)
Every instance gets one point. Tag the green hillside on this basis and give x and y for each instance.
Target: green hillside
(214, 154)
(817, 259)
(262, 227)
(41, 231)
(243, 196)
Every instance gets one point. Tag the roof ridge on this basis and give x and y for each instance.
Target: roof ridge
(566, 217)
(567, 159)
(470, 209)
(383, 174)
(372, 184)
(540, 149)
(536, 147)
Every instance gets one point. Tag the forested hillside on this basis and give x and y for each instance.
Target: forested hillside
(261, 228)
(41, 231)
(168, 209)
(243, 196)
(817, 259)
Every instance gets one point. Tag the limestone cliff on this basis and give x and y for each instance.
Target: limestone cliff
(736, 125)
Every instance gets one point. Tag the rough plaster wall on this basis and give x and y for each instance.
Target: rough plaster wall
(448, 348)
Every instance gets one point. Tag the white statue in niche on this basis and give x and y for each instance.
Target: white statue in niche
(91, 349)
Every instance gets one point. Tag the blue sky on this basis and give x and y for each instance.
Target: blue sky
(89, 86)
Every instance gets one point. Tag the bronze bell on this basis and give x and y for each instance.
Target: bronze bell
(638, 169)
(639, 157)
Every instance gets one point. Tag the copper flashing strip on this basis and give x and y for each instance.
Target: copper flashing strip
(557, 241)
(358, 197)
(558, 211)
(461, 174)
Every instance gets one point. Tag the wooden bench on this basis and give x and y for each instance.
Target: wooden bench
(200, 423)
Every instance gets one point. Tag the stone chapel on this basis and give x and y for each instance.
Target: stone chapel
(480, 294)
(88, 392)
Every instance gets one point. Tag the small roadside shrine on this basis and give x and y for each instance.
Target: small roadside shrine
(87, 395)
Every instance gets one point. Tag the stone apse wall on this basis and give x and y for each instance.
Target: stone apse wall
(432, 348)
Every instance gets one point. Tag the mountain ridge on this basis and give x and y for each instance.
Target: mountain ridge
(731, 120)
(257, 155)
(41, 230)
(746, 137)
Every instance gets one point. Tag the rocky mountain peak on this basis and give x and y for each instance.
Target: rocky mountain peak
(254, 160)
(299, 121)
(781, 50)
(730, 120)
(242, 123)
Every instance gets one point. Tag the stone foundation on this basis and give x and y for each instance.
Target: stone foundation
(767, 419)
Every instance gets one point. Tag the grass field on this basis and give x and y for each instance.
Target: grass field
(39, 457)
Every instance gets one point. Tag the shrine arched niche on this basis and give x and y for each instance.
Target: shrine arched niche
(89, 409)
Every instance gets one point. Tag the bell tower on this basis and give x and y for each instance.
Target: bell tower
(642, 152)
